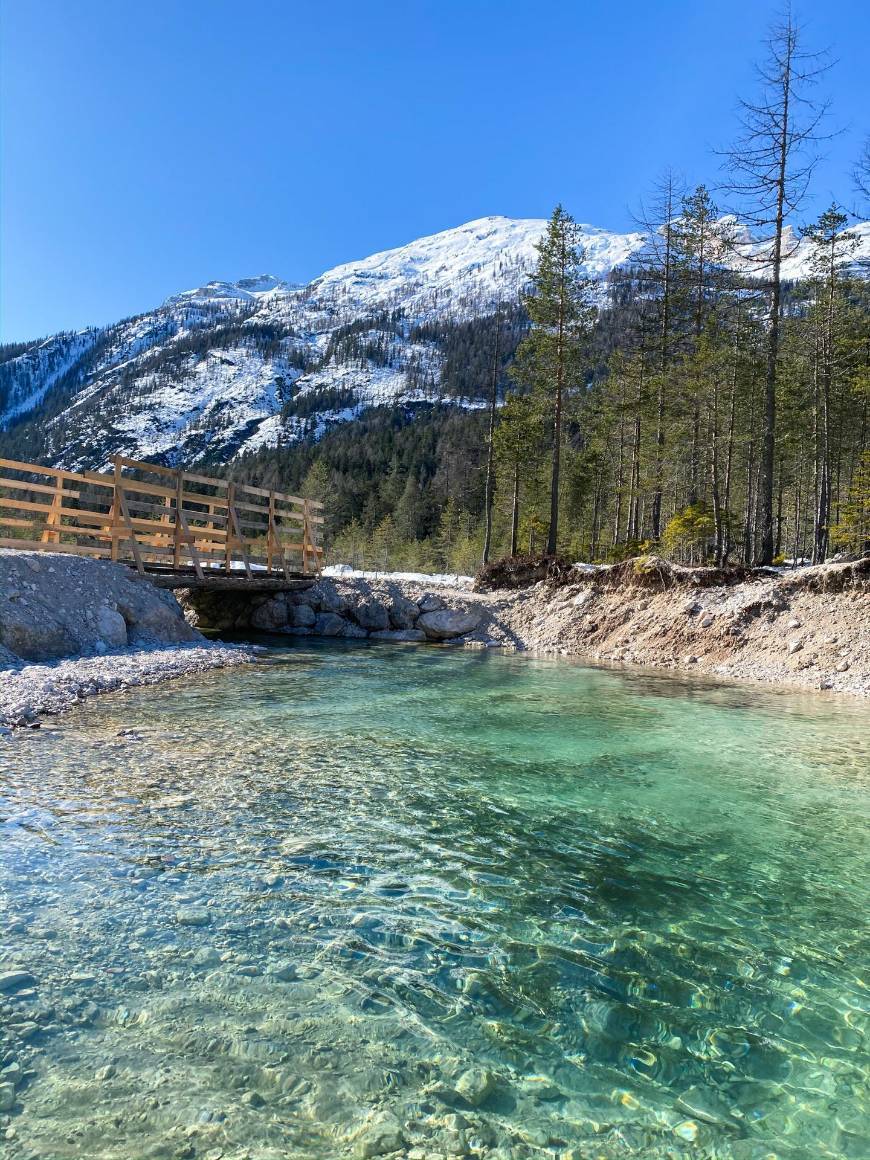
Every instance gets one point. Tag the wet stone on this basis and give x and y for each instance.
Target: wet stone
(475, 1085)
(193, 916)
(382, 1135)
(11, 981)
(705, 1104)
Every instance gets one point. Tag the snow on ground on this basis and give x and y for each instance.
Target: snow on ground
(29, 690)
(444, 579)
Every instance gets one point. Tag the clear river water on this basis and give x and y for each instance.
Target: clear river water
(362, 900)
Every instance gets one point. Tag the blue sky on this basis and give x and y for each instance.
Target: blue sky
(152, 145)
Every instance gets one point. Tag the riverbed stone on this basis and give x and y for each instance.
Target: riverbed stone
(705, 1104)
(7, 1099)
(14, 981)
(449, 622)
(381, 1135)
(475, 1085)
(192, 916)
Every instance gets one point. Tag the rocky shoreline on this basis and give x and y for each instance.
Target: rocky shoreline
(72, 627)
(808, 629)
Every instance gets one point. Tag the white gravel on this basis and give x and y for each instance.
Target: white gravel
(29, 690)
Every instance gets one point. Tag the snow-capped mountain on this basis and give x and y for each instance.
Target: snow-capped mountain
(233, 366)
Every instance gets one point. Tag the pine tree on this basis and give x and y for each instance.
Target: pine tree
(551, 359)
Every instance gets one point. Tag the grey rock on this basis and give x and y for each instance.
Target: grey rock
(328, 597)
(371, 615)
(705, 1104)
(329, 624)
(354, 631)
(449, 622)
(430, 603)
(193, 916)
(381, 1135)
(403, 613)
(271, 615)
(475, 1085)
(795, 646)
(111, 626)
(15, 980)
(286, 972)
(7, 1100)
(301, 615)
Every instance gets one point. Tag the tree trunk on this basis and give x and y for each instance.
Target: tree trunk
(768, 434)
(515, 510)
(493, 403)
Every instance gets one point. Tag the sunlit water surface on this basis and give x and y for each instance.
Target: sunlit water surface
(289, 913)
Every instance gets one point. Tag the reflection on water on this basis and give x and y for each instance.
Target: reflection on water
(375, 900)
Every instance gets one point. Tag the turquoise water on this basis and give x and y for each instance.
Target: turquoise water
(446, 903)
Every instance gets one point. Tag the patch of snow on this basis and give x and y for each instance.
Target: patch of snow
(443, 579)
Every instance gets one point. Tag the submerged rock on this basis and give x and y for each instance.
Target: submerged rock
(193, 916)
(475, 1085)
(705, 1104)
(381, 1135)
(15, 980)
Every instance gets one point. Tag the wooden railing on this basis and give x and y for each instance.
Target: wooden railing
(159, 518)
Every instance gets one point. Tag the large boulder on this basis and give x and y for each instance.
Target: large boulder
(371, 615)
(449, 622)
(270, 616)
(111, 626)
(329, 624)
(328, 597)
(403, 612)
(301, 616)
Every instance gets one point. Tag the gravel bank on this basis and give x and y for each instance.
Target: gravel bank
(30, 690)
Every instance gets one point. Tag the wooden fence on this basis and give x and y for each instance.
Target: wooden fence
(159, 518)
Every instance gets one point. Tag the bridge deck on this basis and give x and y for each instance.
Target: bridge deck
(221, 582)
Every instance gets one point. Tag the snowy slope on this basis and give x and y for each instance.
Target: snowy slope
(233, 366)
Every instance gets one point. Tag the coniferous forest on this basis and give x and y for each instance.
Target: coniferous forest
(707, 407)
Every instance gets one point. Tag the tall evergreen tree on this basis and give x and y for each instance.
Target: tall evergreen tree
(551, 360)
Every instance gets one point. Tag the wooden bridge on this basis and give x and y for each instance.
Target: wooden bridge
(182, 529)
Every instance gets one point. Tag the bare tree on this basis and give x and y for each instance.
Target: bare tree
(861, 175)
(770, 166)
